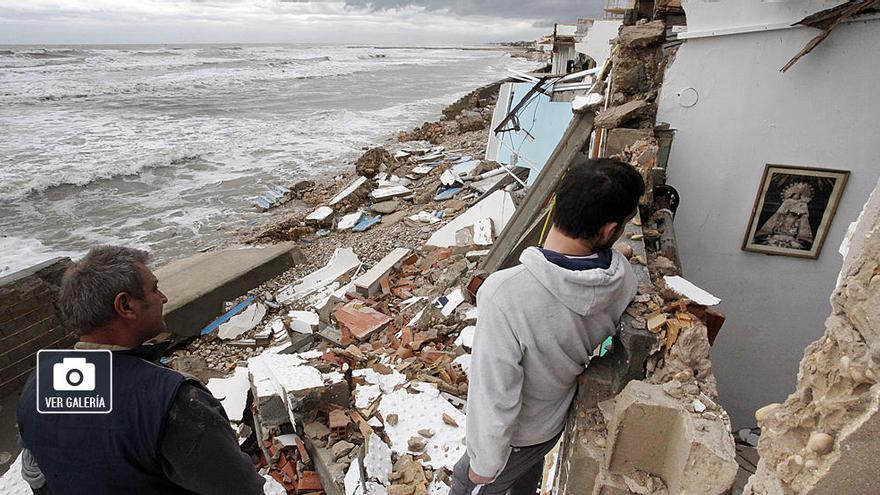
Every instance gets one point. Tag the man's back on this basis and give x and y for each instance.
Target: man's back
(538, 325)
(106, 453)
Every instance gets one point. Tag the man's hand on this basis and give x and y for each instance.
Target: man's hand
(477, 479)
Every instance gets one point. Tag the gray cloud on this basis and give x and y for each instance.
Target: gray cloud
(543, 11)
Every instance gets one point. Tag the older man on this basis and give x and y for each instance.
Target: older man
(165, 434)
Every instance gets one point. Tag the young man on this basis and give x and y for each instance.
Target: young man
(165, 434)
(538, 325)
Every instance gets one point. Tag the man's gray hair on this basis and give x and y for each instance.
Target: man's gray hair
(89, 287)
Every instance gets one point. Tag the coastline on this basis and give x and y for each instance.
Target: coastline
(286, 223)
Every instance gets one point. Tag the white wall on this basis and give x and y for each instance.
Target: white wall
(597, 44)
(823, 113)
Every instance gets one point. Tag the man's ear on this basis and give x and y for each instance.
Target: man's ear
(123, 306)
(607, 233)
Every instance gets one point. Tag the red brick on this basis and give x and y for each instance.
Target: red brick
(361, 321)
(309, 482)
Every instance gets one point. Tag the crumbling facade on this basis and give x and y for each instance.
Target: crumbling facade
(823, 438)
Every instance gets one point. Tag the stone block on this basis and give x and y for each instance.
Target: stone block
(642, 35)
(620, 114)
(618, 139)
(653, 433)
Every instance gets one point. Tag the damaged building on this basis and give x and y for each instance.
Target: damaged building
(750, 123)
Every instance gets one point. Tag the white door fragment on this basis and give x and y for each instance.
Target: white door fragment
(243, 322)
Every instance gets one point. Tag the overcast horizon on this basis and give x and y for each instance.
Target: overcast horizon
(383, 22)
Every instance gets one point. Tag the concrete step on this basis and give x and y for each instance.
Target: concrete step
(198, 286)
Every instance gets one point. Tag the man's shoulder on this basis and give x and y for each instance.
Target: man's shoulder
(505, 283)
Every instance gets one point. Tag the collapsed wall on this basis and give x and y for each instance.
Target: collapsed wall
(823, 438)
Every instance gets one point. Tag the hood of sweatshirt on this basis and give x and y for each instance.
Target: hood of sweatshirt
(581, 290)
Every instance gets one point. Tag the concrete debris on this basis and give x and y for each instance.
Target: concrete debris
(823, 438)
(243, 322)
(621, 114)
(642, 35)
(349, 221)
(374, 161)
(231, 392)
(368, 283)
(320, 215)
(389, 192)
(690, 291)
(343, 261)
(498, 207)
(350, 189)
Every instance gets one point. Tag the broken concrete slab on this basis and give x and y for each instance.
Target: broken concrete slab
(498, 206)
(620, 138)
(344, 261)
(305, 322)
(243, 322)
(349, 189)
(197, 287)
(320, 215)
(286, 389)
(610, 118)
(651, 432)
(231, 392)
(359, 321)
(424, 410)
(349, 221)
(386, 193)
(368, 283)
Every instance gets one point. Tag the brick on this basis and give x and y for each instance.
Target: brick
(25, 306)
(35, 344)
(24, 334)
(361, 321)
(16, 369)
(13, 385)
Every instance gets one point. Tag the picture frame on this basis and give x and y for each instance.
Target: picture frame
(793, 210)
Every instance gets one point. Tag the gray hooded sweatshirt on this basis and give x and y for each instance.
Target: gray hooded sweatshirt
(537, 327)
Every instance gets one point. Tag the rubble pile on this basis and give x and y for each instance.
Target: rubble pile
(822, 439)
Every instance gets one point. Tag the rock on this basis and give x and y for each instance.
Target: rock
(374, 161)
(426, 433)
(340, 449)
(455, 205)
(393, 218)
(386, 207)
(625, 249)
(401, 490)
(449, 420)
(615, 116)
(316, 430)
(642, 35)
(417, 444)
(391, 419)
(300, 187)
(470, 121)
(820, 443)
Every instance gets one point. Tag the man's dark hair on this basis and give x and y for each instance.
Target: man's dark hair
(595, 192)
(89, 287)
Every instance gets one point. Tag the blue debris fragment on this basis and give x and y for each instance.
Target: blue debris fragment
(366, 222)
(238, 308)
(447, 194)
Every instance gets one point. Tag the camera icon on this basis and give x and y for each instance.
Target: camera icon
(73, 374)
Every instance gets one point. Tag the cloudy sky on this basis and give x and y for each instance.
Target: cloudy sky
(347, 21)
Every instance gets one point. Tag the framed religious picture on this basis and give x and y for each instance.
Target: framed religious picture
(793, 210)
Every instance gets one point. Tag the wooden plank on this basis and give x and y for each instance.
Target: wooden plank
(576, 136)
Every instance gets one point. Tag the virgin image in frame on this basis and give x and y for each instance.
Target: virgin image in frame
(793, 210)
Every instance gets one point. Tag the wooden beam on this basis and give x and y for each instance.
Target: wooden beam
(576, 136)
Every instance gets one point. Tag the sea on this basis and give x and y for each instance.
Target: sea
(166, 147)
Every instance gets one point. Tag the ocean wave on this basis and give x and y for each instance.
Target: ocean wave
(47, 53)
(16, 190)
